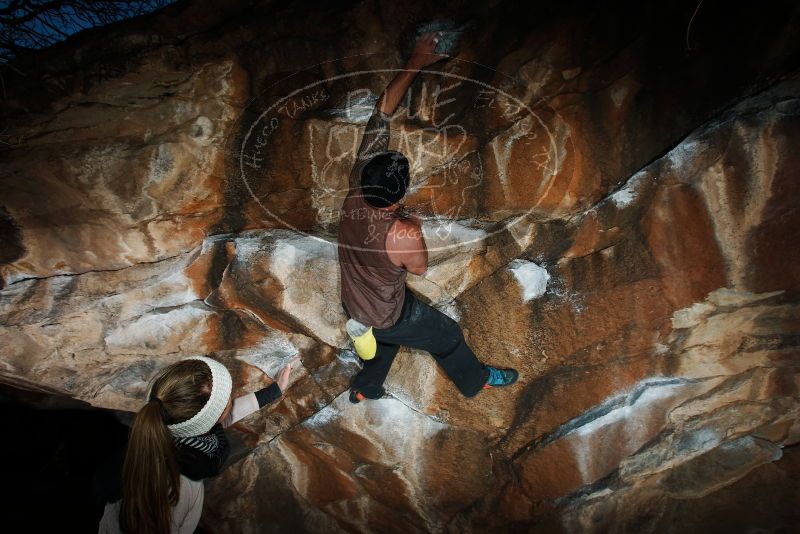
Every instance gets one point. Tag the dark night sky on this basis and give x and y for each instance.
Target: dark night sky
(57, 24)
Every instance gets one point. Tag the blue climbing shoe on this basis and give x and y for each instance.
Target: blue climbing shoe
(500, 377)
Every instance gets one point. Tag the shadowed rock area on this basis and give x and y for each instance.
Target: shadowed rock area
(610, 202)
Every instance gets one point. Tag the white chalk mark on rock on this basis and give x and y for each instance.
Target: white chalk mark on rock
(531, 278)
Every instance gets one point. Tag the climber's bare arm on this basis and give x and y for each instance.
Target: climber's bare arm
(421, 57)
(376, 134)
(406, 247)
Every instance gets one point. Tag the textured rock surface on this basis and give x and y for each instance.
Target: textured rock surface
(614, 217)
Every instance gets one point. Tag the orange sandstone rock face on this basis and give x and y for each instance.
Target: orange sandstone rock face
(592, 222)
(136, 164)
(649, 322)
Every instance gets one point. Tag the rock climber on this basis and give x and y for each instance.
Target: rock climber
(154, 484)
(379, 243)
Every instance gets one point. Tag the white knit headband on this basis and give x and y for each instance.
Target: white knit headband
(207, 417)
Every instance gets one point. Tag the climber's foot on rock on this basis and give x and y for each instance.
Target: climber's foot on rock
(500, 377)
(357, 396)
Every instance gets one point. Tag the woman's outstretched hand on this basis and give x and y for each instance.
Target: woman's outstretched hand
(283, 374)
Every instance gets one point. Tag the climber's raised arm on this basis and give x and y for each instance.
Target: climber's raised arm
(376, 134)
(421, 57)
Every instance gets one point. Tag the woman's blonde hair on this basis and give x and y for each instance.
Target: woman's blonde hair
(150, 473)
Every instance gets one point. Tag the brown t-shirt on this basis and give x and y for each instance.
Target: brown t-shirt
(373, 288)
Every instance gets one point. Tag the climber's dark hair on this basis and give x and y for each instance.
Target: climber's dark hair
(384, 179)
(150, 474)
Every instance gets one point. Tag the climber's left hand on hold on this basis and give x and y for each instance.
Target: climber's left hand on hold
(423, 54)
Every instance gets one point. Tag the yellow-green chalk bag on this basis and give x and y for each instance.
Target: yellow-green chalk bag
(363, 339)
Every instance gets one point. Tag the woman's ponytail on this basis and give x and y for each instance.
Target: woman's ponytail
(150, 474)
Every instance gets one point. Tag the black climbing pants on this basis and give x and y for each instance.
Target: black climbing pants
(422, 327)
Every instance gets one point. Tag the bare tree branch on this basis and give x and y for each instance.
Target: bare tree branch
(31, 24)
